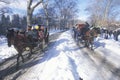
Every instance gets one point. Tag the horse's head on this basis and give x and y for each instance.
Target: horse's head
(10, 36)
(97, 29)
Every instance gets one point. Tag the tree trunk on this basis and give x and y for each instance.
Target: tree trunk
(46, 13)
(30, 10)
(29, 17)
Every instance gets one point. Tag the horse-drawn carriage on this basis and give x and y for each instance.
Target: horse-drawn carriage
(24, 40)
(86, 34)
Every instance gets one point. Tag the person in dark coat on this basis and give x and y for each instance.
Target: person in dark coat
(116, 33)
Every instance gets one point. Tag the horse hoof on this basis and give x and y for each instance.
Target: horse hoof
(42, 50)
(17, 67)
(23, 61)
(32, 53)
(29, 56)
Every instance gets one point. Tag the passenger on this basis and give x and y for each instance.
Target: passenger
(40, 33)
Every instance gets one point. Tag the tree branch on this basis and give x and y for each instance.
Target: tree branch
(37, 4)
(29, 3)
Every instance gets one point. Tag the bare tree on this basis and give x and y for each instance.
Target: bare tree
(45, 7)
(5, 9)
(49, 13)
(66, 10)
(103, 11)
(31, 8)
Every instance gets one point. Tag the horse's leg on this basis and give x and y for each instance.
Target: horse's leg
(22, 57)
(91, 43)
(85, 43)
(88, 42)
(47, 39)
(30, 52)
(19, 54)
(17, 66)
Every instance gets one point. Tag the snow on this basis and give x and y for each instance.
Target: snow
(54, 31)
(5, 51)
(110, 49)
(66, 61)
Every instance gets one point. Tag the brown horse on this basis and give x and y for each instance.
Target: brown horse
(89, 37)
(21, 42)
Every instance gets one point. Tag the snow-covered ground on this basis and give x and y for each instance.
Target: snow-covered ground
(110, 49)
(5, 51)
(54, 31)
(66, 61)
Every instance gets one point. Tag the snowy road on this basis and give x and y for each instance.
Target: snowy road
(66, 60)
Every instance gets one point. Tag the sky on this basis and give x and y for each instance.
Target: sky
(83, 4)
(63, 62)
(19, 7)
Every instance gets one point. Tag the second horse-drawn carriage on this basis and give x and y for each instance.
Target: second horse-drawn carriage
(86, 34)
